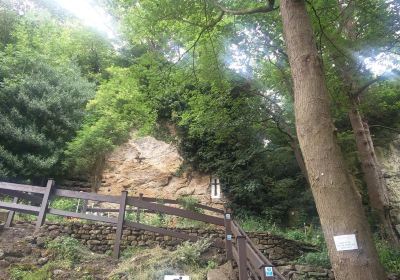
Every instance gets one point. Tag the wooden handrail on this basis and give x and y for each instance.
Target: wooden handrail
(245, 252)
(147, 204)
(85, 195)
(22, 188)
(175, 211)
(255, 256)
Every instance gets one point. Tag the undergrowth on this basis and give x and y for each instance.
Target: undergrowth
(153, 264)
(63, 252)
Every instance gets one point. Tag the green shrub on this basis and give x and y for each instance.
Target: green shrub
(66, 204)
(189, 253)
(389, 256)
(29, 272)
(151, 264)
(189, 203)
(315, 259)
(66, 248)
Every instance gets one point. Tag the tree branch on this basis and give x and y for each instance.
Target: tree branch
(382, 77)
(205, 28)
(386, 127)
(249, 11)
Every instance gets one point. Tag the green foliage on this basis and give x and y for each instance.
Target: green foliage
(389, 256)
(117, 109)
(315, 259)
(45, 65)
(29, 272)
(65, 248)
(65, 253)
(154, 263)
(189, 203)
(41, 107)
(66, 204)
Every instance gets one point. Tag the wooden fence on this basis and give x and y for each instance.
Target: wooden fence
(251, 262)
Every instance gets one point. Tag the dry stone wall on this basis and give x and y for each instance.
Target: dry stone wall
(100, 238)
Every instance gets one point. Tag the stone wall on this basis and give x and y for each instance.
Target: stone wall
(100, 238)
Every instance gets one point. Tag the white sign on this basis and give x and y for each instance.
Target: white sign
(229, 237)
(176, 277)
(268, 271)
(228, 216)
(345, 242)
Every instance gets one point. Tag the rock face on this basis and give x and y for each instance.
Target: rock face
(152, 167)
(390, 161)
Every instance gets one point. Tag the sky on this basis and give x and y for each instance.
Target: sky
(91, 14)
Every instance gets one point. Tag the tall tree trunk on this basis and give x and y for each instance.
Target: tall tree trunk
(339, 207)
(376, 185)
(293, 142)
(372, 173)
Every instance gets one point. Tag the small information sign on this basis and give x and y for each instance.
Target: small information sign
(176, 277)
(268, 271)
(345, 242)
(229, 237)
(228, 216)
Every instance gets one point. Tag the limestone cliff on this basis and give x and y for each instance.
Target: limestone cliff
(390, 162)
(152, 167)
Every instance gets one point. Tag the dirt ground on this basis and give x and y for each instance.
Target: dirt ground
(20, 247)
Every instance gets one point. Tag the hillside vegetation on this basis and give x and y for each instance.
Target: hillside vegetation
(286, 107)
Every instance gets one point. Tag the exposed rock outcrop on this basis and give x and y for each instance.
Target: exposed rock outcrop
(154, 168)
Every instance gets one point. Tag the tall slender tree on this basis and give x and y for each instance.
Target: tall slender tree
(339, 207)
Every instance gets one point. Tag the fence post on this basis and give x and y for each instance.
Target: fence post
(11, 214)
(84, 206)
(263, 277)
(264, 273)
(120, 224)
(241, 246)
(44, 205)
(228, 234)
(138, 209)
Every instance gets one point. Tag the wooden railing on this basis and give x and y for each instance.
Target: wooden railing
(251, 262)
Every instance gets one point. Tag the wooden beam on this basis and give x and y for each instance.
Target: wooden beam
(120, 224)
(228, 232)
(241, 244)
(44, 205)
(23, 195)
(173, 201)
(22, 188)
(11, 214)
(85, 195)
(19, 207)
(175, 211)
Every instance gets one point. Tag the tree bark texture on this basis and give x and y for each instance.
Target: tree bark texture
(339, 207)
